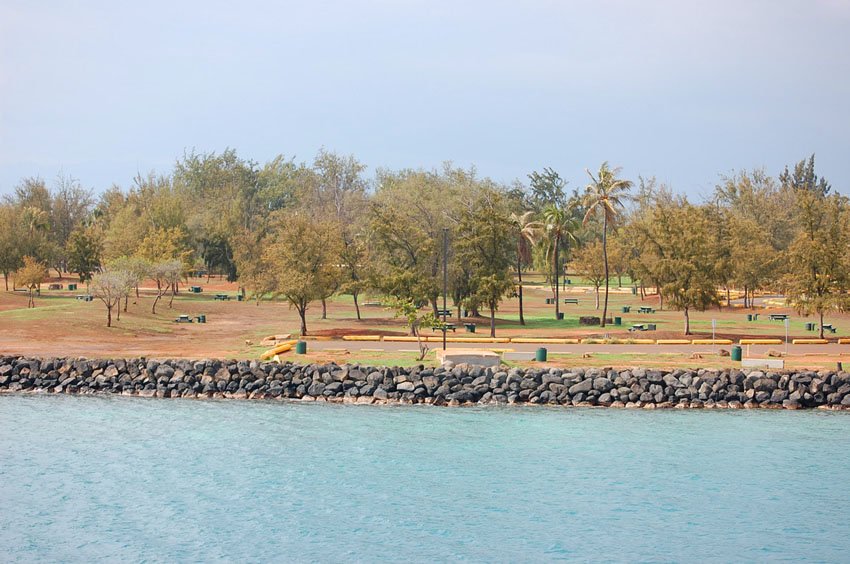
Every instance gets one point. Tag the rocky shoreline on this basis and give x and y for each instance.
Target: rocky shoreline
(453, 386)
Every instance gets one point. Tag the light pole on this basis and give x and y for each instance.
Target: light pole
(445, 280)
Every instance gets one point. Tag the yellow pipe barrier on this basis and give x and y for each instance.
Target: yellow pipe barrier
(439, 339)
(401, 339)
(282, 348)
(672, 342)
(809, 342)
(544, 341)
(844, 341)
(361, 337)
(711, 342)
(760, 342)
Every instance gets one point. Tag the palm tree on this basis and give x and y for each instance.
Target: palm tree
(605, 194)
(526, 233)
(561, 227)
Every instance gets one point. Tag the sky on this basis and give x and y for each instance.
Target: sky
(684, 91)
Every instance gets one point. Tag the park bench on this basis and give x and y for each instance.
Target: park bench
(571, 301)
(829, 327)
(645, 309)
(222, 297)
(183, 319)
(85, 297)
(444, 326)
(444, 312)
(195, 289)
(372, 304)
(778, 316)
(55, 287)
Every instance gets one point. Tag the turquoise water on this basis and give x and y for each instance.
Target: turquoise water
(85, 478)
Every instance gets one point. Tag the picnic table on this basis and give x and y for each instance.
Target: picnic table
(830, 328)
(643, 327)
(778, 316)
(645, 309)
(55, 287)
(444, 312)
(444, 327)
(183, 319)
(85, 297)
(222, 297)
(571, 301)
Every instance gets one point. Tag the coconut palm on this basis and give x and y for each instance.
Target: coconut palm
(560, 227)
(526, 232)
(605, 194)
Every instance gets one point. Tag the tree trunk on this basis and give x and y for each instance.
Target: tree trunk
(687, 322)
(605, 260)
(156, 299)
(126, 299)
(6, 280)
(821, 325)
(492, 320)
(519, 277)
(137, 291)
(660, 300)
(556, 269)
(302, 313)
(324, 308)
(458, 312)
(746, 296)
(356, 305)
(171, 301)
(118, 309)
(619, 280)
(597, 299)
(108, 315)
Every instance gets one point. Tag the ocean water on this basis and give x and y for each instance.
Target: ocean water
(129, 479)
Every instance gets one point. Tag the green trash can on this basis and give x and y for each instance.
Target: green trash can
(810, 326)
(72, 287)
(618, 320)
(470, 327)
(540, 356)
(239, 297)
(626, 309)
(749, 317)
(560, 316)
(301, 347)
(736, 353)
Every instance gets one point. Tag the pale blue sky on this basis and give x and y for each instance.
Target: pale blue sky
(681, 90)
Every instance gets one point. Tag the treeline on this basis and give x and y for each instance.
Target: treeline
(307, 231)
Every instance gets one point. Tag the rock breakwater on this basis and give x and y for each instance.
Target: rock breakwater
(458, 385)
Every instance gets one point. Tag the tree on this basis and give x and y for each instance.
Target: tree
(486, 243)
(586, 264)
(818, 280)
(355, 265)
(30, 276)
(685, 257)
(605, 195)
(803, 177)
(166, 274)
(136, 270)
(110, 286)
(415, 319)
(547, 189)
(305, 256)
(84, 252)
(560, 227)
(10, 255)
(525, 231)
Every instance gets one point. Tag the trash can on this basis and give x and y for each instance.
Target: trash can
(560, 316)
(626, 309)
(749, 317)
(470, 327)
(540, 356)
(618, 320)
(301, 347)
(736, 353)
(72, 286)
(810, 326)
(202, 318)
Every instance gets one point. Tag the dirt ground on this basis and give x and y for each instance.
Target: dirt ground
(61, 325)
